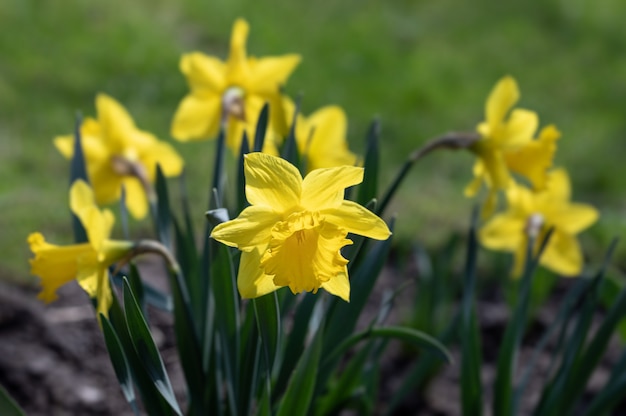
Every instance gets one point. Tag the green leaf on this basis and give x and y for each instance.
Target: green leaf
(146, 349)
(250, 363)
(290, 148)
(507, 356)
(8, 406)
(613, 392)
(153, 401)
(78, 171)
(471, 390)
(119, 361)
(269, 325)
(163, 213)
(218, 172)
(295, 340)
(299, 394)
(261, 128)
(242, 202)
(368, 189)
(409, 335)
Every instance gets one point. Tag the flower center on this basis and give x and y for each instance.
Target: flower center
(233, 104)
(303, 252)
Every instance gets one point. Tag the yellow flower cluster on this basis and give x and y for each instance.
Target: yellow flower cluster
(541, 199)
(293, 232)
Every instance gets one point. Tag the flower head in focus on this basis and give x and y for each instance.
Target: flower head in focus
(85, 262)
(550, 208)
(231, 94)
(507, 144)
(293, 232)
(118, 154)
(321, 137)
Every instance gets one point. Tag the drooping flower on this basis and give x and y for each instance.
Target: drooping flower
(118, 154)
(552, 209)
(85, 262)
(507, 144)
(321, 137)
(292, 233)
(231, 94)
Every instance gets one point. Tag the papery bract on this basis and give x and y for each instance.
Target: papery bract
(292, 233)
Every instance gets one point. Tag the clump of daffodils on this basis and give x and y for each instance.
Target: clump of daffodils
(511, 160)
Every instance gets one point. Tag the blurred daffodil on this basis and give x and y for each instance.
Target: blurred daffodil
(118, 154)
(85, 262)
(231, 94)
(321, 137)
(547, 209)
(293, 232)
(506, 134)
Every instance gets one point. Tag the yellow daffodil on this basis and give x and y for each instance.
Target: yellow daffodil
(507, 144)
(550, 208)
(231, 94)
(292, 233)
(321, 137)
(85, 262)
(118, 154)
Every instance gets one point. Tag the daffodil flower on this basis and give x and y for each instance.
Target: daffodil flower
(118, 154)
(231, 94)
(293, 232)
(507, 144)
(85, 262)
(321, 137)
(551, 209)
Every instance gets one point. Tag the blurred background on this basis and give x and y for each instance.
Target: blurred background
(422, 67)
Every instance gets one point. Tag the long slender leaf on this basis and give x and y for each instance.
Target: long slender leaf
(8, 406)
(78, 170)
(471, 389)
(242, 202)
(146, 349)
(261, 128)
(163, 220)
(119, 361)
(368, 189)
(269, 325)
(299, 393)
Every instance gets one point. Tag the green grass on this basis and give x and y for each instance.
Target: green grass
(423, 67)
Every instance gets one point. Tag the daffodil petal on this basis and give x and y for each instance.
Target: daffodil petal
(324, 139)
(251, 228)
(203, 72)
(497, 172)
(252, 282)
(164, 155)
(357, 219)
(270, 73)
(339, 286)
(136, 200)
(82, 200)
(563, 254)
(574, 218)
(272, 182)
(503, 96)
(503, 232)
(197, 117)
(558, 185)
(520, 128)
(237, 64)
(535, 158)
(324, 188)
(115, 121)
